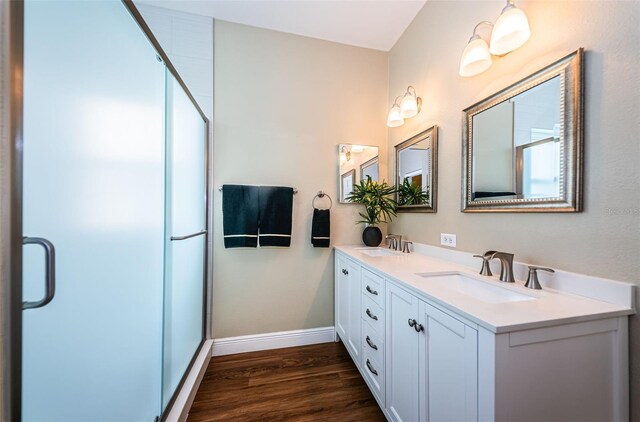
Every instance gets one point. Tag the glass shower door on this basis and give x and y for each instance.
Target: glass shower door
(94, 96)
(185, 237)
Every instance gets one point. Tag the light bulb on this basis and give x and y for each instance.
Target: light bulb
(409, 105)
(510, 31)
(475, 57)
(395, 117)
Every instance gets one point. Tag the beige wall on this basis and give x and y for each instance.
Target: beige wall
(282, 104)
(604, 240)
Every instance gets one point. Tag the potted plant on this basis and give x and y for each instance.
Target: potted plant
(411, 193)
(379, 207)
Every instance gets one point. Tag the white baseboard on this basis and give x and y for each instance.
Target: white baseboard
(181, 406)
(268, 341)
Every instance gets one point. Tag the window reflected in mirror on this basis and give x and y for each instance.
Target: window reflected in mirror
(356, 163)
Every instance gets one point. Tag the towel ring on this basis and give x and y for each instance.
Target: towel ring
(321, 194)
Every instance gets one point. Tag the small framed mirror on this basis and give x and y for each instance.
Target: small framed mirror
(356, 162)
(523, 147)
(417, 172)
(370, 169)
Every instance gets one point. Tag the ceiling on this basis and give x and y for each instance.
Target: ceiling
(373, 24)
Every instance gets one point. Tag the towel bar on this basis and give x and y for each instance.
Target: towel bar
(294, 190)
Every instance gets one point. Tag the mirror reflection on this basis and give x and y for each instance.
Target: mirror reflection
(517, 151)
(415, 167)
(356, 163)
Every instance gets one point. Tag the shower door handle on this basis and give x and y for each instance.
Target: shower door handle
(50, 272)
(189, 236)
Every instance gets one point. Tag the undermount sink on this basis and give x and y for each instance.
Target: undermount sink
(480, 290)
(377, 251)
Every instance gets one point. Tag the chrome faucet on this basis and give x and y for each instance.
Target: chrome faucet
(506, 265)
(405, 246)
(395, 241)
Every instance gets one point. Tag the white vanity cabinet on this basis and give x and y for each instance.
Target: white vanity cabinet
(427, 360)
(348, 304)
(432, 362)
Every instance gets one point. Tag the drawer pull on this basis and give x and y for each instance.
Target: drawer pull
(370, 343)
(372, 316)
(412, 322)
(373, 292)
(371, 369)
(418, 328)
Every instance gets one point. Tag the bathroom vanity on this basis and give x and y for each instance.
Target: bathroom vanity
(434, 340)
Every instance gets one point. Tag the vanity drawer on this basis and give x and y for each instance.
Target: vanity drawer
(373, 286)
(372, 314)
(373, 342)
(374, 375)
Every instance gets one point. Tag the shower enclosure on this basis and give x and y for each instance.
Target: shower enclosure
(114, 226)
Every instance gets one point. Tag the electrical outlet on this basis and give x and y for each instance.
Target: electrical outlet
(447, 239)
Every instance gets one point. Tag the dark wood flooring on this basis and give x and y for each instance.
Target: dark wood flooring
(308, 383)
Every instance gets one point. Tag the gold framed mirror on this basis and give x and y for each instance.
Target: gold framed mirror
(417, 172)
(523, 146)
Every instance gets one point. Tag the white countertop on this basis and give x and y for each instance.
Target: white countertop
(550, 307)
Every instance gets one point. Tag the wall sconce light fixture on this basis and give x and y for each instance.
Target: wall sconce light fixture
(510, 31)
(404, 107)
(346, 152)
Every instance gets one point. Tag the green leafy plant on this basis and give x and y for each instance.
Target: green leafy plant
(412, 194)
(377, 199)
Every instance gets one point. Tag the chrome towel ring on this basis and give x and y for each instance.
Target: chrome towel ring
(321, 195)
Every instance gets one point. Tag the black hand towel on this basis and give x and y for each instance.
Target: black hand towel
(276, 206)
(320, 228)
(240, 215)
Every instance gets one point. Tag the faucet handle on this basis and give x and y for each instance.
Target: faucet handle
(532, 280)
(536, 268)
(485, 270)
(405, 246)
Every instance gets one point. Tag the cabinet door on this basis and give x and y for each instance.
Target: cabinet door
(355, 302)
(402, 355)
(449, 367)
(341, 298)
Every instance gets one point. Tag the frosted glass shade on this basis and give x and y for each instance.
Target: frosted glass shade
(510, 31)
(475, 57)
(408, 106)
(395, 117)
